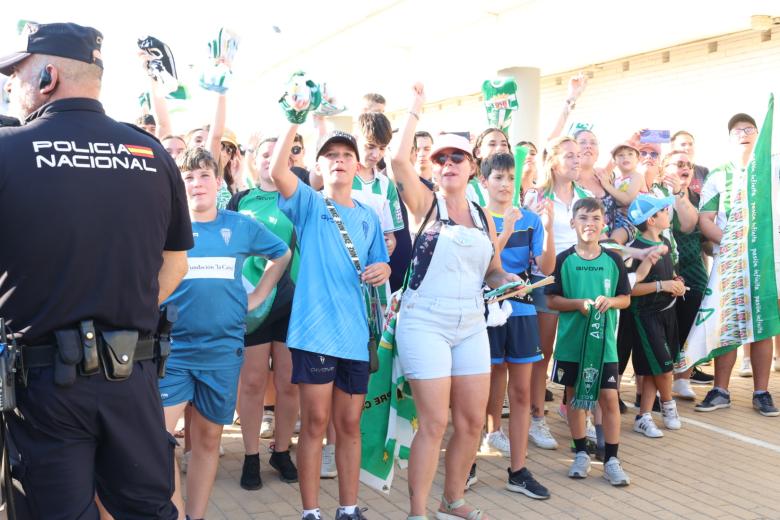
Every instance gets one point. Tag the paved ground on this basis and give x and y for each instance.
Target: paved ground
(724, 464)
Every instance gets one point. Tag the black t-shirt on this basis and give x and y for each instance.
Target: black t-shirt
(402, 255)
(87, 205)
(662, 270)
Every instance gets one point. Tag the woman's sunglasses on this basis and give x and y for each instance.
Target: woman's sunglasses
(455, 157)
(296, 150)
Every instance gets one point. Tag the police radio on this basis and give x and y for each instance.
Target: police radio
(8, 354)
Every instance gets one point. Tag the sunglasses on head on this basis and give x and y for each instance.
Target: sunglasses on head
(455, 157)
(645, 153)
(296, 150)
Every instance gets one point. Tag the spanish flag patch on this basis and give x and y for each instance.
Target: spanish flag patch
(140, 151)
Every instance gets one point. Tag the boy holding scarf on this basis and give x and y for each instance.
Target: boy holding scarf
(590, 284)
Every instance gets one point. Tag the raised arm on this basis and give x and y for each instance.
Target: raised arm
(157, 98)
(284, 179)
(577, 86)
(214, 140)
(413, 193)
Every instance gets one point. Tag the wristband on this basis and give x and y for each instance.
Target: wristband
(658, 286)
(415, 114)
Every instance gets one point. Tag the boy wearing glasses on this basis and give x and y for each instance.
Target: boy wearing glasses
(714, 210)
(653, 298)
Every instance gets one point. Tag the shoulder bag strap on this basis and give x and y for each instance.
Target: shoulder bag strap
(351, 251)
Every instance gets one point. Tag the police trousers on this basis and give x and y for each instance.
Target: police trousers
(98, 436)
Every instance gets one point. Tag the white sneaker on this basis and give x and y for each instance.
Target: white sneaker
(646, 426)
(670, 415)
(267, 425)
(498, 441)
(540, 434)
(221, 450)
(682, 389)
(328, 468)
(776, 364)
(745, 370)
(590, 430)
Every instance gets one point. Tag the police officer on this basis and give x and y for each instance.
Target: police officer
(94, 230)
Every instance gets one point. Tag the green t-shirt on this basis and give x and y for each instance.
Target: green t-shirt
(691, 264)
(577, 278)
(262, 206)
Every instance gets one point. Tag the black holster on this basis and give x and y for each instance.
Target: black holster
(168, 316)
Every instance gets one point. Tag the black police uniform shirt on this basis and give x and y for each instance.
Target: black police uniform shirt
(87, 205)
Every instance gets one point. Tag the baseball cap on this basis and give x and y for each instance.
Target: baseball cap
(337, 136)
(626, 144)
(655, 147)
(229, 136)
(66, 40)
(445, 141)
(645, 206)
(741, 118)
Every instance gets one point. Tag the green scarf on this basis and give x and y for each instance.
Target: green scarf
(586, 390)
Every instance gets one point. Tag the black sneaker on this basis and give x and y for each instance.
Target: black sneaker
(701, 378)
(472, 478)
(714, 400)
(548, 396)
(281, 462)
(521, 481)
(250, 473)
(622, 406)
(764, 405)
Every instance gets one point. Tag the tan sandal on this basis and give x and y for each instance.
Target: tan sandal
(446, 511)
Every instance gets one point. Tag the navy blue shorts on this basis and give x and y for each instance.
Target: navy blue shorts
(516, 341)
(95, 435)
(348, 375)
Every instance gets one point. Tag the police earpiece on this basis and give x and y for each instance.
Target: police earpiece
(45, 79)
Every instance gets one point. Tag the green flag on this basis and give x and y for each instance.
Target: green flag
(740, 302)
(389, 416)
(521, 152)
(500, 101)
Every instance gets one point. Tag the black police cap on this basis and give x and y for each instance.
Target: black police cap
(66, 40)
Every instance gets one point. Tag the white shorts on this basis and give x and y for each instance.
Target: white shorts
(442, 337)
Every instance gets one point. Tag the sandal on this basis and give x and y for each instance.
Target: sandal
(446, 511)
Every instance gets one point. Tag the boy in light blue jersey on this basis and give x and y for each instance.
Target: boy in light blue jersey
(208, 338)
(328, 332)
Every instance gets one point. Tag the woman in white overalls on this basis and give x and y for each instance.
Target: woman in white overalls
(441, 332)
